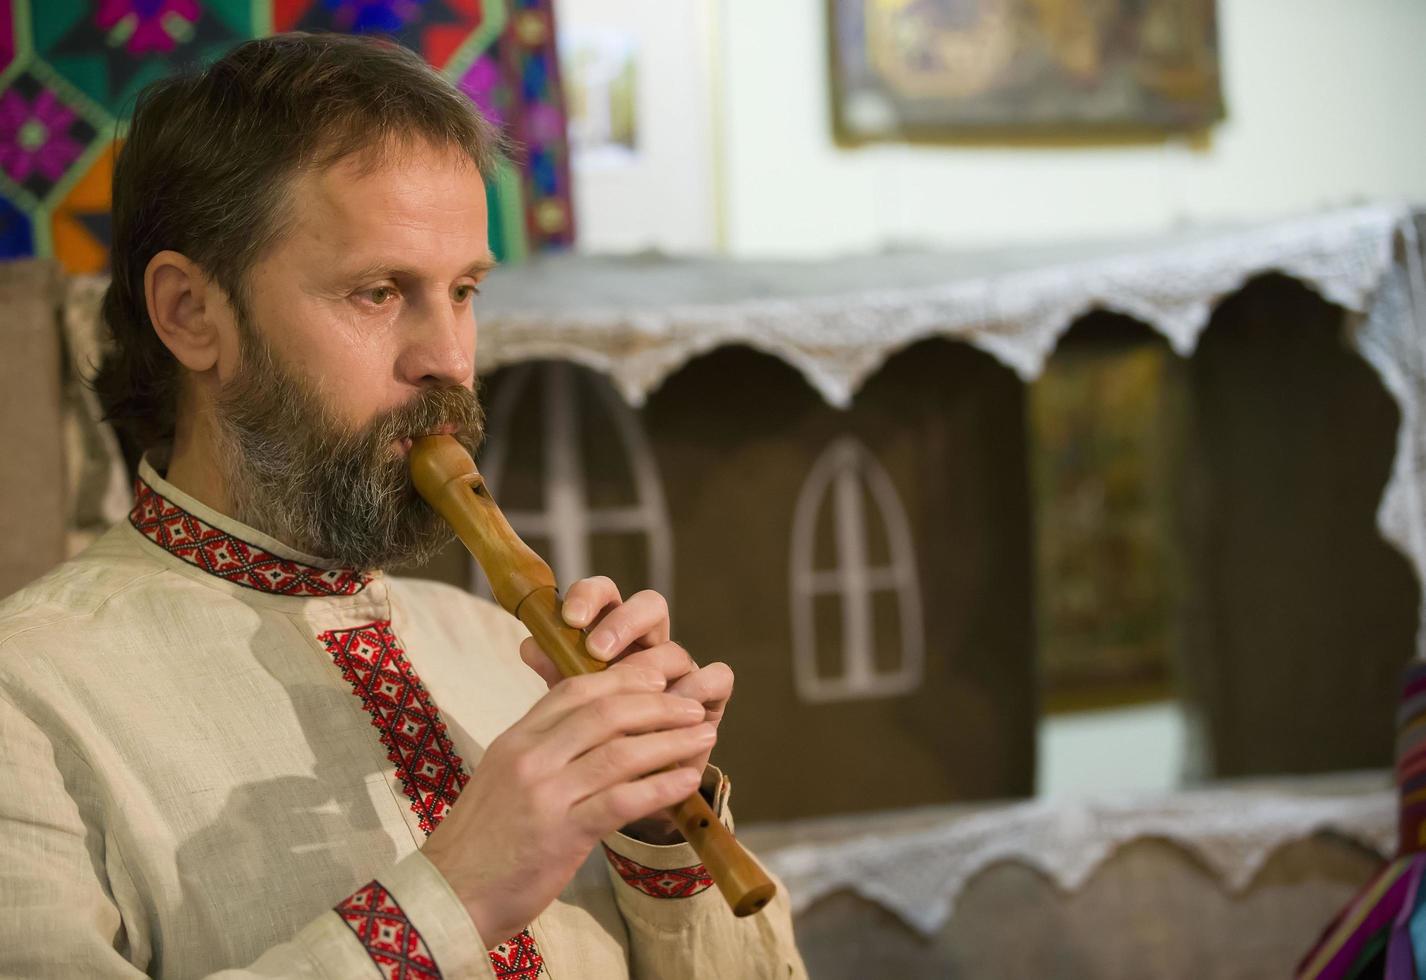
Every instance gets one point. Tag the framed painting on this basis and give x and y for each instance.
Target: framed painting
(1106, 427)
(978, 69)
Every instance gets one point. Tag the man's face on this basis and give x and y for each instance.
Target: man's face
(368, 295)
(357, 334)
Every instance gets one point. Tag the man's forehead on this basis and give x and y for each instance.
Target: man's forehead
(436, 184)
(423, 201)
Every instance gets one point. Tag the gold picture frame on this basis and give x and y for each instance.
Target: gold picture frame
(1022, 70)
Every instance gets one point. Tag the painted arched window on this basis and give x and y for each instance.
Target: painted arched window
(572, 469)
(857, 630)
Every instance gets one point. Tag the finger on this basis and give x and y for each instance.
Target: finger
(620, 805)
(621, 760)
(611, 717)
(642, 619)
(710, 686)
(587, 598)
(669, 659)
(537, 660)
(572, 693)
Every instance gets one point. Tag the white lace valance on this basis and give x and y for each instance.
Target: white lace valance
(639, 320)
(917, 863)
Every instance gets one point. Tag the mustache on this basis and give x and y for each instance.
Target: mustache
(454, 407)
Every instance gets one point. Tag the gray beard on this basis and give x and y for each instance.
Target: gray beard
(295, 473)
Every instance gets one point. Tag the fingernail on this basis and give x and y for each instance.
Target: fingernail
(653, 679)
(693, 709)
(575, 612)
(602, 642)
(706, 733)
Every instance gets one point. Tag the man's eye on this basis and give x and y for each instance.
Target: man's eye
(464, 293)
(379, 295)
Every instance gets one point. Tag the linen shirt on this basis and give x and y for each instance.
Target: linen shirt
(219, 756)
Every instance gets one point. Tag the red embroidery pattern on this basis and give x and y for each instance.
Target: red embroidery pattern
(219, 553)
(658, 882)
(431, 772)
(517, 958)
(410, 727)
(392, 942)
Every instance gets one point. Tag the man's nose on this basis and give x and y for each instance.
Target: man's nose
(440, 347)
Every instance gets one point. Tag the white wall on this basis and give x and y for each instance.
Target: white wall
(1138, 749)
(663, 197)
(1326, 105)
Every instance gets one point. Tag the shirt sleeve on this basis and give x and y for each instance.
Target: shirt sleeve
(59, 918)
(679, 923)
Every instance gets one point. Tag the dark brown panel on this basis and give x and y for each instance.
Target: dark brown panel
(31, 423)
(736, 434)
(1300, 616)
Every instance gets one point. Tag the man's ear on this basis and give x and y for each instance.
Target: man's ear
(180, 304)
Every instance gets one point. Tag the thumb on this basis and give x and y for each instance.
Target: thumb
(537, 661)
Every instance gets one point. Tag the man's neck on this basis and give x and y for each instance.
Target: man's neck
(194, 468)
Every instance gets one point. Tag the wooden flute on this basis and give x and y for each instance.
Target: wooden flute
(445, 475)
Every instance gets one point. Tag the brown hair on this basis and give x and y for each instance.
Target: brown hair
(207, 164)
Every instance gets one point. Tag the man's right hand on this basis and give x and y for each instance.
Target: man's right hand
(556, 782)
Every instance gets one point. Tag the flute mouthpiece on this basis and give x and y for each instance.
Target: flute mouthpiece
(437, 460)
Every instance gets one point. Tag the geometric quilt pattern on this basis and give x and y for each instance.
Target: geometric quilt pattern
(71, 69)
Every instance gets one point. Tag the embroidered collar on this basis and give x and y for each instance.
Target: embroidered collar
(202, 544)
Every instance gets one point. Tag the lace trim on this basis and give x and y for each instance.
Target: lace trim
(374, 664)
(390, 939)
(518, 958)
(219, 553)
(660, 882)
(431, 772)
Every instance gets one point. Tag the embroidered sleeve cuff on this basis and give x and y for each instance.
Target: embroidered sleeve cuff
(411, 924)
(647, 874)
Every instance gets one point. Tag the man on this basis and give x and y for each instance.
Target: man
(227, 741)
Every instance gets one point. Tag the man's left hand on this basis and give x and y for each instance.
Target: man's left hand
(635, 634)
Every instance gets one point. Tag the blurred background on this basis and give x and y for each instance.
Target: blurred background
(1024, 396)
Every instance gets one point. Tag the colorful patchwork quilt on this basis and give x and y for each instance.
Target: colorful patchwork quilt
(70, 71)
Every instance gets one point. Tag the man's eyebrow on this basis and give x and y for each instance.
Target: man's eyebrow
(384, 270)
